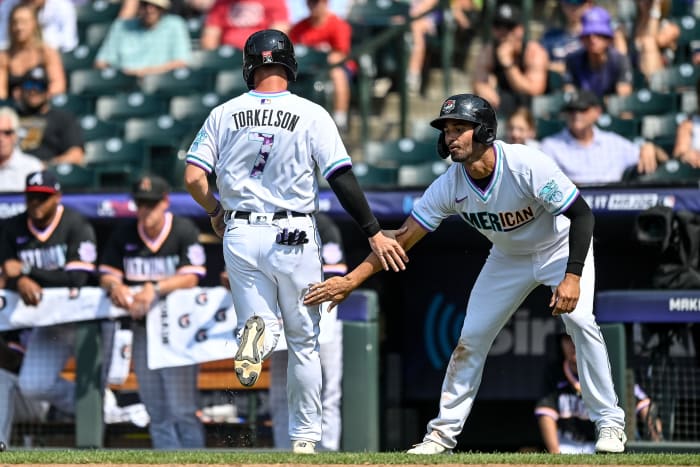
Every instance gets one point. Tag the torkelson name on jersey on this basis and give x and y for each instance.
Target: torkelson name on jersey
(265, 117)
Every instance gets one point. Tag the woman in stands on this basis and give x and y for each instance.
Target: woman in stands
(26, 51)
(687, 146)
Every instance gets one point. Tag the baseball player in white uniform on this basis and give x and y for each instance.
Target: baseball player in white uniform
(266, 147)
(541, 231)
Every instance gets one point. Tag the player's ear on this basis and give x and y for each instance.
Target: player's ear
(442, 149)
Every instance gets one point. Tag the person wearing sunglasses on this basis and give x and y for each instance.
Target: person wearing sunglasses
(15, 165)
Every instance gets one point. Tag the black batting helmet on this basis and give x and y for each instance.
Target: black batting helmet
(470, 108)
(268, 47)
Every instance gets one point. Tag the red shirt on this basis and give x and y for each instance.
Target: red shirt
(334, 34)
(238, 19)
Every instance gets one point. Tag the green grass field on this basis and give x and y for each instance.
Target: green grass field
(248, 456)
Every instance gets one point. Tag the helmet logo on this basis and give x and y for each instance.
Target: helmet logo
(448, 106)
(267, 56)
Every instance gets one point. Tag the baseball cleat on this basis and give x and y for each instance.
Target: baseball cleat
(248, 360)
(611, 440)
(429, 447)
(300, 446)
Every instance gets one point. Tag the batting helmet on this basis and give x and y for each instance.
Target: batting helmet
(268, 47)
(470, 108)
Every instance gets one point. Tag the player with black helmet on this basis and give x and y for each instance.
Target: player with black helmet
(266, 147)
(541, 229)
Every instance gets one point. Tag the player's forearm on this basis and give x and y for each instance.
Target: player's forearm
(198, 187)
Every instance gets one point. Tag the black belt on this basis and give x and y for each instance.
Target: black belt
(276, 216)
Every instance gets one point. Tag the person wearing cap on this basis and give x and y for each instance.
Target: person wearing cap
(58, 20)
(230, 22)
(598, 67)
(560, 41)
(52, 135)
(589, 155)
(509, 71)
(15, 165)
(144, 260)
(48, 245)
(650, 39)
(27, 50)
(151, 43)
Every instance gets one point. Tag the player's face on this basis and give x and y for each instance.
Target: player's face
(151, 214)
(458, 138)
(41, 207)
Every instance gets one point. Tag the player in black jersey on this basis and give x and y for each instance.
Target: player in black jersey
(146, 259)
(48, 245)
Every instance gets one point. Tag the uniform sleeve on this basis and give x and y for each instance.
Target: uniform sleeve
(328, 149)
(204, 151)
(554, 190)
(436, 204)
(192, 256)
(82, 247)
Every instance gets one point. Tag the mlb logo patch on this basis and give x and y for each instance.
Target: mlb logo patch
(265, 101)
(267, 56)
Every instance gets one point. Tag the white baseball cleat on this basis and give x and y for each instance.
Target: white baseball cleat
(429, 447)
(611, 440)
(248, 360)
(300, 446)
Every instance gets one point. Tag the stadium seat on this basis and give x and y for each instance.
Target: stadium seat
(642, 102)
(74, 177)
(182, 81)
(95, 82)
(672, 172)
(155, 131)
(661, 129)
(76, 104)
(95, 34)
(627, 127)
(195, 25)
(310, 60)
(116, 162)
(134, 104)
(555, 82)
(422, 131)
(546, 127)
(676, 78)
(690, 31)
(95, 128)
(222, 58)
(547, 105)
(230, 83)
(98, 11)
(396, 153)
(370, 176)
(80, 58)
(194, 107)
(689, 102)
(379, 13)
(420, 175)
(316, 88)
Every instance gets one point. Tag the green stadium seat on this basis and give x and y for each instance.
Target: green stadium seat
(155, 131)
(689, 102)
(80, 58)
(396, 153)
(95, 128)
(642, 102)
(98, 11)
(117, 163)
(661, 129)
(370, 176)
(672, 172)
(690, 31)
(310, 60)
(379, 13)
(95, 82)
(182, 81)
(555, 81)
(230, 83)
(420, 175)
(77, 104)
(312, 87)
(134, 104)
(194, 107)
(74, 178)
(95, 34)
(195, 25)
(627, 127)
(546, 127)
(547, 105)
(223, 58)
(675, 78)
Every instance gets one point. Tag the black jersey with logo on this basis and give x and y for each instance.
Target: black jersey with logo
(131, 255)
(67, 244)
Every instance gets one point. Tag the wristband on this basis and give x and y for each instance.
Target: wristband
(216, 210)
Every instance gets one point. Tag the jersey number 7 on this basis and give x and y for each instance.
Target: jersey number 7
(266, 140)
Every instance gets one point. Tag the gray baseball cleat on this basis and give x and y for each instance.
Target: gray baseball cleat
(248, 360)
(300, 446)
(429, 447)
(611, 440)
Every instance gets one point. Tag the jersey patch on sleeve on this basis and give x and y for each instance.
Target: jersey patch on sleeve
(87, 252)
(201, 136)
(550, 193)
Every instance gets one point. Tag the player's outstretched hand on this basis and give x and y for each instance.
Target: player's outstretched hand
(333, 290)
(388, 250)
(218, 224)
(566, 295)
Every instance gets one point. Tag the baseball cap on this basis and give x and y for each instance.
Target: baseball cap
(164, 4)
(507, 15)
(596, 20)
(35, 79)
(581, 100)
(42, 182)
(150, 188)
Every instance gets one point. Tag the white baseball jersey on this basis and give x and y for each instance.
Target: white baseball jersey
(265, 149)
(517, 211)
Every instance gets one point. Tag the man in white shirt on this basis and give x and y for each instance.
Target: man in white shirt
(14, 164)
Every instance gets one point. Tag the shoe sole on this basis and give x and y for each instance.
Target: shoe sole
(248, 362)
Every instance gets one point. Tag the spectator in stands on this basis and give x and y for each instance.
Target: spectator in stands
(562, 416)
(153, 42)
(230, 22)
(298, 10)
(184, 8)
(589, 155)
(143, 261)
(14, 164)
(598, 67)
(330, 351)
(27, 50)
(58, 20)
(687, 147)
(427, 25)
(52, 135)
(48, 245)
(521, 128)
(509, 72)
(650, 41)
(561, 41)
(325, 31)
